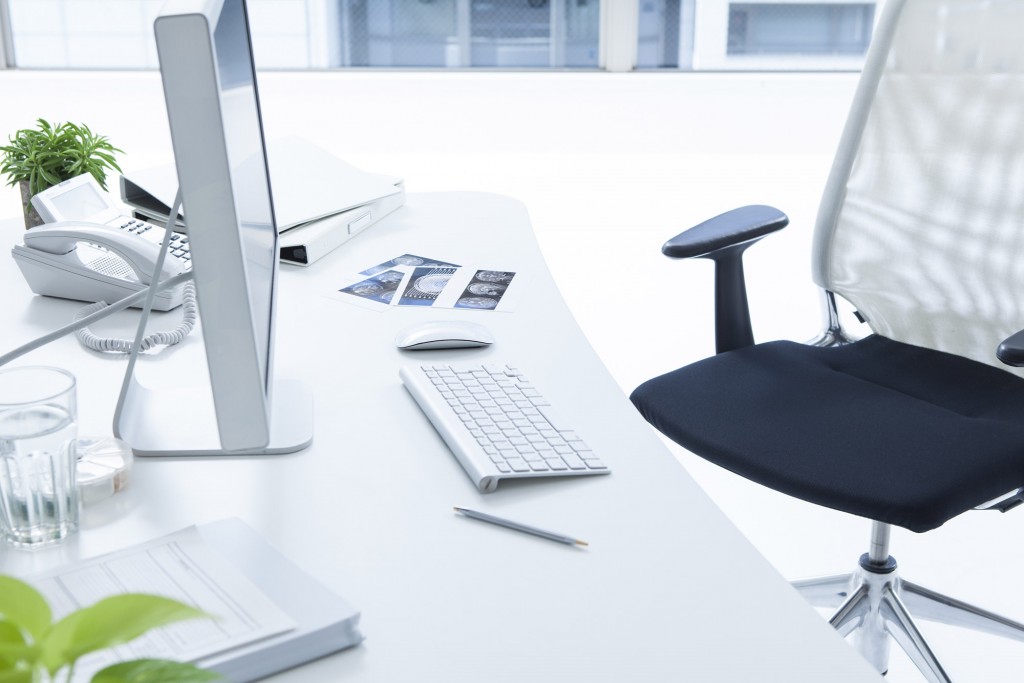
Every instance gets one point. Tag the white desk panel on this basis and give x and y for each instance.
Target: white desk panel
(667, 590)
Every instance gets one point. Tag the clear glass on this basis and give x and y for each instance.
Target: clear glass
(731, 35)
(665, 34)
(38, 494)
(800, 29)
(504, 34)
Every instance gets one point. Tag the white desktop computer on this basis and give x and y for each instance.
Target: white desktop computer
(213, 109)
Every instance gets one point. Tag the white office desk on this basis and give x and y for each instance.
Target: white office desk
(668, 590)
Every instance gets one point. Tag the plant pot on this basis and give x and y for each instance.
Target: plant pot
(32, 217)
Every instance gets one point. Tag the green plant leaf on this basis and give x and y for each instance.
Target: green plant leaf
(154, 671)
(16, 676)
(10, 633)
(52, 153)
(23, 606)
(111, 621)
(58, 642)
(13, 648)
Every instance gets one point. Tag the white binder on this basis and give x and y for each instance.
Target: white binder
(320, 201)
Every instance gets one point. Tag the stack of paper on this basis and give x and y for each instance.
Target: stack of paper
(270, 615)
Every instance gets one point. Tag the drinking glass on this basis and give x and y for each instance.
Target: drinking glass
(38, 495)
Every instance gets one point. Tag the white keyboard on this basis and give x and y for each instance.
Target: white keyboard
(498, 424)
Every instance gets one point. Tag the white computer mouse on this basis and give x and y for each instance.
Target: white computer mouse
(444, 334)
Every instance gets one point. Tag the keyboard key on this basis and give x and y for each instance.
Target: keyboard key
(508, 425)
(574, 462)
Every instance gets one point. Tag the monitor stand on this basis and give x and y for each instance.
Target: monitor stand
(179, 419)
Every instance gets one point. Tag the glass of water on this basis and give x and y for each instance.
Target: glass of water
(38, 495)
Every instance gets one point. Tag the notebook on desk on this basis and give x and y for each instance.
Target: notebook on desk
(325, 622)
(269, 615)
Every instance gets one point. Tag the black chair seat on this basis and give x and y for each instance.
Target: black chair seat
(888, 431)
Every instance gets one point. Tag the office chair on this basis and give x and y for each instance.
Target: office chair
(921, 229)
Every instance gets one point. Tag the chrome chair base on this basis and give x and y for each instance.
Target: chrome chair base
(873, 604)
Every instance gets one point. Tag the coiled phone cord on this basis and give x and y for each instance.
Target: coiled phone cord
(167, 338)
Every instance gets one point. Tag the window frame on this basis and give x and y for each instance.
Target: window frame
(6, 37)
(619, 24)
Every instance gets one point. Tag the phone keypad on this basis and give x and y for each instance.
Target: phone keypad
(179, 247)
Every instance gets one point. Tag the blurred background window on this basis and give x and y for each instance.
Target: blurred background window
(464, 34)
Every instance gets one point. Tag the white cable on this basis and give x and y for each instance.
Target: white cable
(166, 338)
(140, 343)
(87, 319)
(91, 318)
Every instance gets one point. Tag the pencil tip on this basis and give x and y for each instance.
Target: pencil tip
(582, 543)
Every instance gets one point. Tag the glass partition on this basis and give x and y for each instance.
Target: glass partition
(697, 35)
(754, 35)
(323, 34)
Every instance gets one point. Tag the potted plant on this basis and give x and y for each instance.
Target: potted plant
(38, 158)
(35, 649)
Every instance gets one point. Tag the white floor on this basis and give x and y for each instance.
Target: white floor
(610, 166)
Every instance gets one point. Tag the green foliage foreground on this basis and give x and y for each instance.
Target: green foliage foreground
(34, 649)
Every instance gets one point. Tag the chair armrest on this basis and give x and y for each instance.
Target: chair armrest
(1011, 350)
(723, 239)
(745, 224)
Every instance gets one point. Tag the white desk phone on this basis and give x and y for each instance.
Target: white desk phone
(88, 250)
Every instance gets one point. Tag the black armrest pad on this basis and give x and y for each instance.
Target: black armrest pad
(1011, 351)
(725, 230)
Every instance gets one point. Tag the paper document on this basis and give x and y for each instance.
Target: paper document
(179, 566)
(411, 280)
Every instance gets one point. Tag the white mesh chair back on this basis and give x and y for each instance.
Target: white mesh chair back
(922, 223)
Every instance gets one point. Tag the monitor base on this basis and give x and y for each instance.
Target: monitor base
(180, 421)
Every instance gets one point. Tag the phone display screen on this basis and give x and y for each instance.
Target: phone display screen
(80, 203)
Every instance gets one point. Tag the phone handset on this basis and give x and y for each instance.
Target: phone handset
(89, 251)
(140, 254)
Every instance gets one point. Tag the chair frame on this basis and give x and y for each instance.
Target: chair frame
(873, 604)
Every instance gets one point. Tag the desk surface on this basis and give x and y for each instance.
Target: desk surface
(667, 590)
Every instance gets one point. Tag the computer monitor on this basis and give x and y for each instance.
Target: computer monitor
(209, 81)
